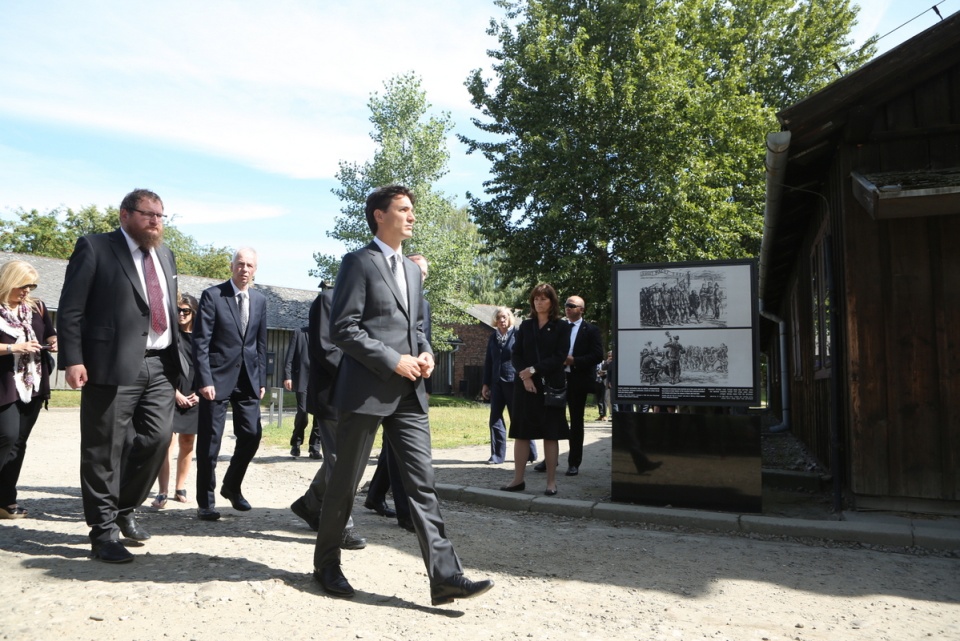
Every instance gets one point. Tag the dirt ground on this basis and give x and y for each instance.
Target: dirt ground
(556, 578)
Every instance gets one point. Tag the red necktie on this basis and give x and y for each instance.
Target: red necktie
(158, 317)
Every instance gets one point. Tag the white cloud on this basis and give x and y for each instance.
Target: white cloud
(195, 212)
(281, 87)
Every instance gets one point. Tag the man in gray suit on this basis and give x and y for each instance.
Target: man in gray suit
(377, 321)
(118, 343)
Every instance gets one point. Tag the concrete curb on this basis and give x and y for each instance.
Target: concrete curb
(898, 532)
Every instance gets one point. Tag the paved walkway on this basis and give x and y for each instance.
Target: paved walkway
(463, 476)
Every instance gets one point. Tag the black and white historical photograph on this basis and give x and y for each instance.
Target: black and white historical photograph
(686, 332)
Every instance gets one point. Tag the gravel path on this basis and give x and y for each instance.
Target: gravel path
(556, 578)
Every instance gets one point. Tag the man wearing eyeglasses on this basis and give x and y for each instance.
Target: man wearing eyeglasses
(583, 356)
(118, 344)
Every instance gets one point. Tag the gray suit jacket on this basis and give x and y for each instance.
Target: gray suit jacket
(104, 315)
(373, 326)
(219, 349)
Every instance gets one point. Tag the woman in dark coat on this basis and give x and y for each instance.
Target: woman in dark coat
(25, 331)
(541, 346)
(186, 413)
(498, 377)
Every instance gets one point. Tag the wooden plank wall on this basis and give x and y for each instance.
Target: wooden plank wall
(902, 286)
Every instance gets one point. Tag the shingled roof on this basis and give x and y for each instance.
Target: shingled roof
(287, 308)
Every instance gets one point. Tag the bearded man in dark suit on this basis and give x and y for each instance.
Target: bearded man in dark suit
(118, 344)
(377, 321)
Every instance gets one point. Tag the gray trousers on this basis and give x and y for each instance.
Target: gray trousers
(408, 432)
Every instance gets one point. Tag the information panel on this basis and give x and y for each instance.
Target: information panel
(686, 333)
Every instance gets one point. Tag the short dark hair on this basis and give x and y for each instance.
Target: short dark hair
(381, 197)
(132, 200)
(544, 289)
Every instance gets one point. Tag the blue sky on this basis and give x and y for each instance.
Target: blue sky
(237, 112)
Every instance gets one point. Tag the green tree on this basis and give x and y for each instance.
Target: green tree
(629, 131)
(55, 233)
(412, 151)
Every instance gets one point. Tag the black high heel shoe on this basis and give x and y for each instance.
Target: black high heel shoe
(519, 487)
(550, 492)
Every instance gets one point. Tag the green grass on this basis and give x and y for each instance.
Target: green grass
(454, 422)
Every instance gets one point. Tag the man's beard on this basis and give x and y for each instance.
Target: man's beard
(144, 238)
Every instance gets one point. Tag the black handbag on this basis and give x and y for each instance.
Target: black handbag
(552, 396)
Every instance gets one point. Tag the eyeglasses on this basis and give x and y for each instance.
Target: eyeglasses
(151, 215)
(28, 288)
(184, 312)
(572, 305)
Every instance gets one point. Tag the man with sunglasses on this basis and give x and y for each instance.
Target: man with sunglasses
(583, 356)
(119, 345)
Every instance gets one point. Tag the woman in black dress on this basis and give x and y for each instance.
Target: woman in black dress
(186, 413)
(542, 343)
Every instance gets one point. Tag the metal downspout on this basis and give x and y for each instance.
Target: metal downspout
(778, 144)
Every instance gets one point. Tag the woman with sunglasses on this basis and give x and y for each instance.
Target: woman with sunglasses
(187, 411)
(25, 332)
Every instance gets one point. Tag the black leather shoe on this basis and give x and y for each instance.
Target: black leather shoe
(381, 508)
(352, 541)
(299, 508)
(540, 467)
(236, 499)
(295, 451)
(111, 552)
(406, 524)
(573, 470)
(333, 582)
(458, 587)
(131, 528)
(316, 455)
(207, 514)
(519, 487)
(549, 492)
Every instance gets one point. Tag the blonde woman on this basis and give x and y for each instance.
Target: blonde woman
(498, 381)
(25, 332)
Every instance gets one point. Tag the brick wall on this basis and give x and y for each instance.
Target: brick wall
(468, 360)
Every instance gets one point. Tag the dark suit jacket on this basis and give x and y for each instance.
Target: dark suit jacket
(587, 354)
(296, 364)
(324, 357)
(218, 348)
(104, 315)
(374, 326)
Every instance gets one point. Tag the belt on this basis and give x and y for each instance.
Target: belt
(154, 352)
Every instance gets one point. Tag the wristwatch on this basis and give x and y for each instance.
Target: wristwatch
(9, 348)
(533, 370)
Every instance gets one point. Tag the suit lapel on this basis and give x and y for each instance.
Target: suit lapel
(119, 245)
(226, 290)
(380, 262)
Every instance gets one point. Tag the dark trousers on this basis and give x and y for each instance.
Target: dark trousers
(313, 497)
(300, 425)
(16, 422)
(246, 427)
(577, 391)
(501, 398)
(124, 435)
(387, 477)
(408, 432)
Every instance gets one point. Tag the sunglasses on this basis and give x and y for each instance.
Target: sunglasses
(571, 305)
(184, 312)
